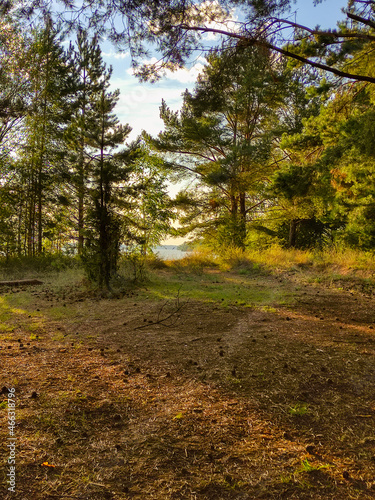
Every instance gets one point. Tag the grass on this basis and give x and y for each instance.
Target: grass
(299, 409)
(232, 277)
(30, 267)
(274, 258)
(328, 265)
(224, 289)
(342, 269)
(307, 467)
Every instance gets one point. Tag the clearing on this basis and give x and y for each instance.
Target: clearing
(200, 385)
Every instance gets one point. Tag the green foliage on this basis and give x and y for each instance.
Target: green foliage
(294, 181)
(23, 266)
(110, 168)
(152, 210)
(272, 153)
(222, 140)
(134, 264)
(100, 254)
(88, 75)
(350, 160)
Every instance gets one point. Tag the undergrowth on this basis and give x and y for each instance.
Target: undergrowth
(32, 267)
(275, 258)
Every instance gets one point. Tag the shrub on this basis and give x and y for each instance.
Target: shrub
(25, 267)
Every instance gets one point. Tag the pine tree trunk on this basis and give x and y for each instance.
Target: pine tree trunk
(81, 196)
(242, 221)
(40, 217)
(293, 226)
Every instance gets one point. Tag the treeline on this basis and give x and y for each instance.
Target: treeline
(271, 151)
(278, 154)
(69, 179)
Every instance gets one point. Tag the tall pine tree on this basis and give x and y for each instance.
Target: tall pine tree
(44, 147)
(223, 139)
(111, 168)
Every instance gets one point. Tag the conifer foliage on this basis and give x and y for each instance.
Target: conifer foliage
(275, 143)
(68, 175)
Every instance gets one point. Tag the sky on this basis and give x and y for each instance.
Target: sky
(139, 103)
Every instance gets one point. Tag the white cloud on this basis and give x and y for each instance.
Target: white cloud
(115, 55)
(139, 103)
(211, 15)
(185, 75)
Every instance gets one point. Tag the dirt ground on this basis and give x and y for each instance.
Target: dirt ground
(142, 398)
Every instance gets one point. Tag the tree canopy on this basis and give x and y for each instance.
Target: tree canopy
(176, 29)
(275, 139)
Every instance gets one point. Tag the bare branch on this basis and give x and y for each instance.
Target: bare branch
(253, 41)
(360, 19)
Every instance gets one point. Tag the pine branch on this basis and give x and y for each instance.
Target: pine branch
(262, 43)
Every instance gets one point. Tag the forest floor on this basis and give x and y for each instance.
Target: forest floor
(216, 385)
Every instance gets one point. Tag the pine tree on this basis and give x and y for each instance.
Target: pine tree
(175, 30)
(90, 76)
(110, 171)
(151, 209)
(300, 187)
(45, 123)
(223, 138)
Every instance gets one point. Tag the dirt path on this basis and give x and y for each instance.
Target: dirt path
(213, 403)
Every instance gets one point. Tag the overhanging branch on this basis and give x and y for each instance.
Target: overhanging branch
(254, 41)
(361, 20)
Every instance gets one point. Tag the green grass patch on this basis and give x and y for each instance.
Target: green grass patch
(299, 409)
(11, 308)
(226, 289)
(32, 267)
(307, 467)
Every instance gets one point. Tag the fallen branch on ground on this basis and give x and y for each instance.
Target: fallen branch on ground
(161, 321)
(21, 282)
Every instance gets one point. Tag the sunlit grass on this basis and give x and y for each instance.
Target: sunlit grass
(195, 261)
(223, 289)
(275, 259)
(7, 311)
(349, 259)
(306, 466)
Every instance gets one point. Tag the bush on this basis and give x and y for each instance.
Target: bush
(26, 267)
(132, 267)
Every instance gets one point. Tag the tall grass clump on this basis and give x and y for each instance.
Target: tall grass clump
(346, 260)
(234, 258)
(282, 258)
(274, 257)
(195, 261)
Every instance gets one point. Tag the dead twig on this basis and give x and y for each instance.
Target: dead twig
(161, 321)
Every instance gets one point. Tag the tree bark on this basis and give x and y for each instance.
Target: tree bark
(293, 226)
